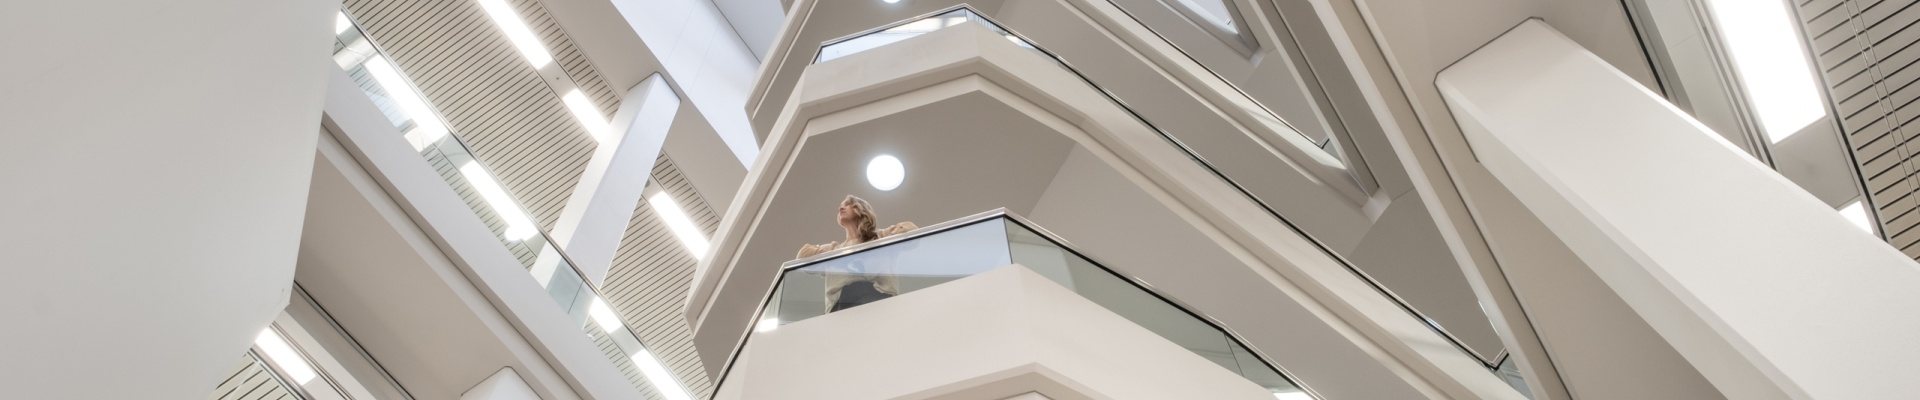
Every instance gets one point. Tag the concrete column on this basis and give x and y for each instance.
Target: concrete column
(596, 215)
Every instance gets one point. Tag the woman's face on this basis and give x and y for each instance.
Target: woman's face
(846, 211)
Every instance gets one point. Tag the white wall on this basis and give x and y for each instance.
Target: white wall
(1761, 286)
(155, 161)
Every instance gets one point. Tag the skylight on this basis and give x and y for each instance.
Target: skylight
(1773, 68)
(1857, 214)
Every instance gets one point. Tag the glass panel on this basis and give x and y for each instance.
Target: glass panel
(891, 270)
(1213, 11)
(1510, 372)
(879, 273)
(890, 35)
(910, 29)
(1143, 308)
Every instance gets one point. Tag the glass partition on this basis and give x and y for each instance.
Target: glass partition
(895, 266)
(1233, 175)
(422, 126)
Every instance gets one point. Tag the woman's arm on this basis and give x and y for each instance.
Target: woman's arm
(812, 249)
(899, 228)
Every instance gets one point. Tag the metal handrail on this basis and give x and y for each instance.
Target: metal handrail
(1000, 214)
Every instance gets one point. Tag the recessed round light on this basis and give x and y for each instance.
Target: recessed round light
(885, 172)
(892, 1)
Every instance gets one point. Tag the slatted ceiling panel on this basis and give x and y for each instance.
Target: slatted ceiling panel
(649, 278)
(625, 365)
(1867, 53)
(569, 57)
(250, 381)
(488, 93)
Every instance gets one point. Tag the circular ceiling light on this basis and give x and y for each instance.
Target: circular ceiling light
(892, 1)
(885, 172)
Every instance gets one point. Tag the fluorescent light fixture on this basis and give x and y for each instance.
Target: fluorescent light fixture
(657, 374)
(1292, 396)
(341, 24)
(767, 324)
(603, 315)
(426, 125)
(1773, 67)
(588, 115)
(1857, 214)
(519, 227)
(681, 225)
(517, 31)
(885, 172)
(283, 356)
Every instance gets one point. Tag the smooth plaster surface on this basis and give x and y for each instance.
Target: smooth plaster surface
(1713, 274)
(155, 157)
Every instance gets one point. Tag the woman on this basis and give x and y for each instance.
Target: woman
(857, 284)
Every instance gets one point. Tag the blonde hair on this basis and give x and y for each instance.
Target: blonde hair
(866, 222)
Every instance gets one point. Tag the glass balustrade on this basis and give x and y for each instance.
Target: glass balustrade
(1235, 176)
(842, 47)
(950, 251)
(405, 107)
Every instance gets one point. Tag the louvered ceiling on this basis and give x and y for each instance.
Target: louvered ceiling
(489, 95)
(1865, 49)
(250, 380)
(518, 127)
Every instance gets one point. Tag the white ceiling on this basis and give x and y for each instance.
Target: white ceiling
(982, 155)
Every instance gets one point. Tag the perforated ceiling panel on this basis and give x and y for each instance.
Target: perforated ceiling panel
(1866, 50)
